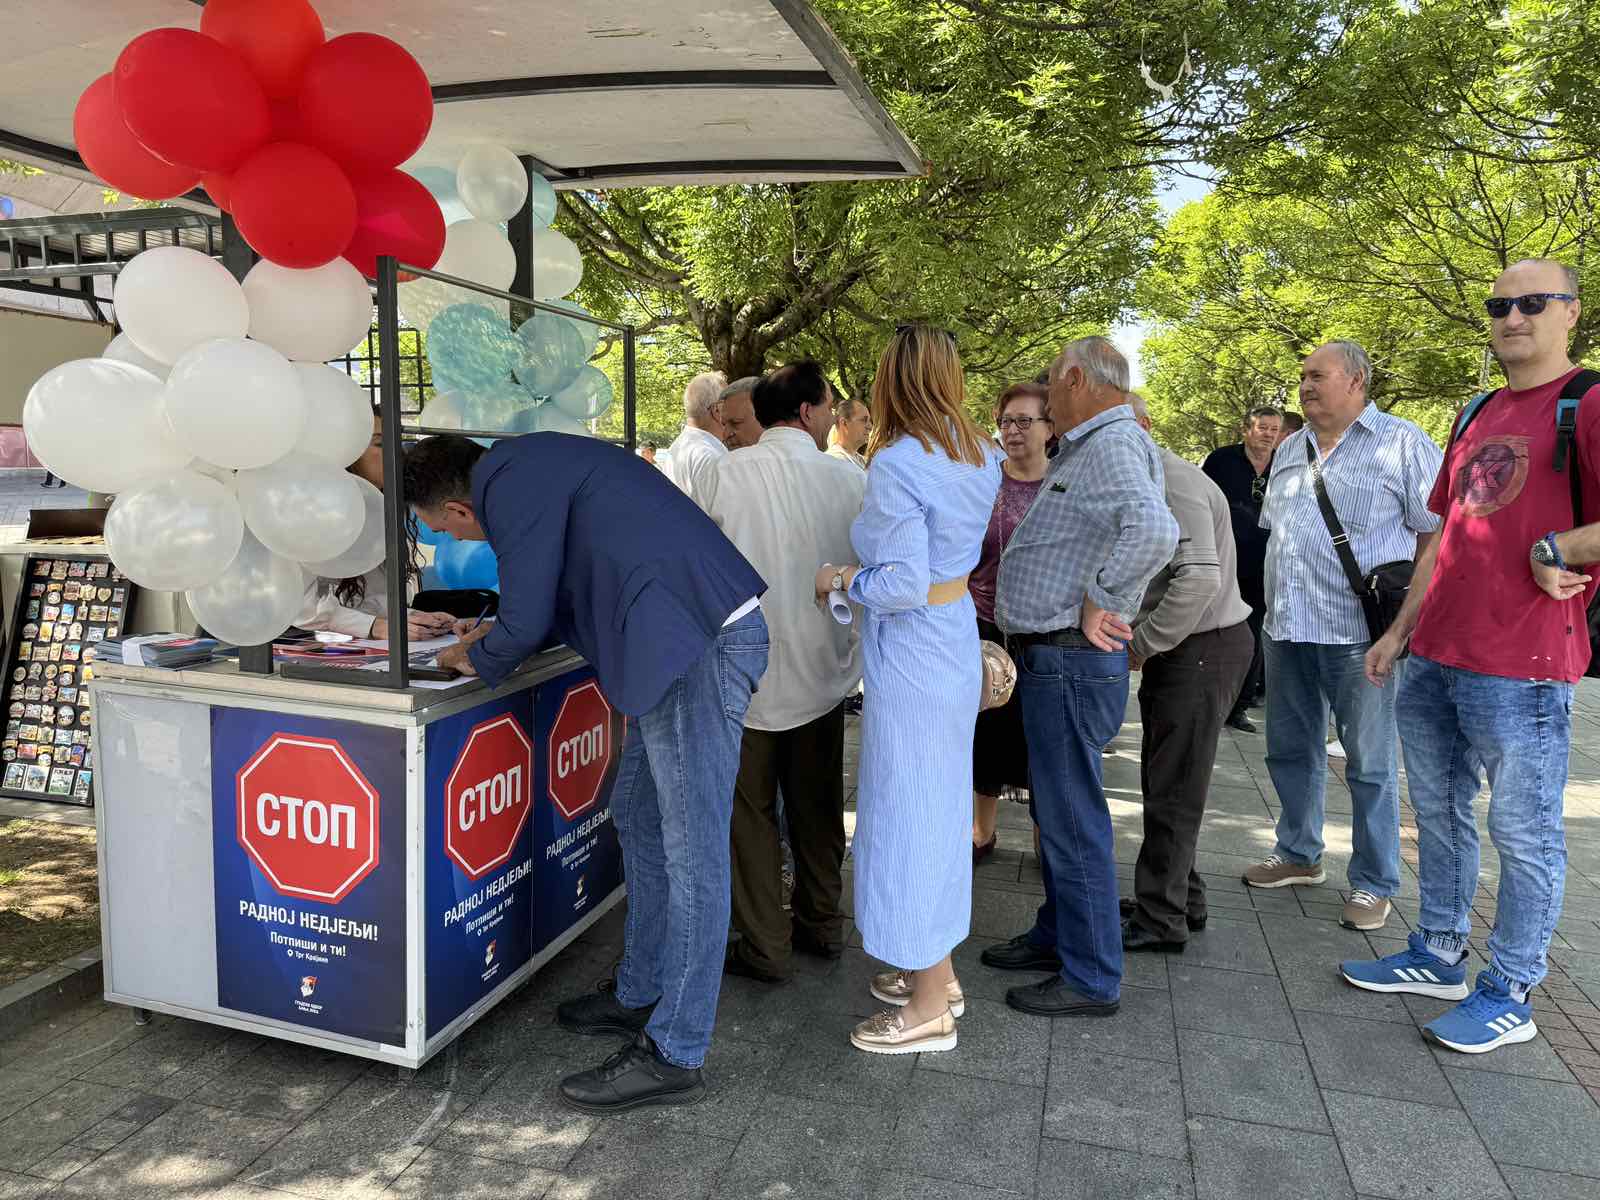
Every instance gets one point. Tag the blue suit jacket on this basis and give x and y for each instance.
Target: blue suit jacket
(600, 550)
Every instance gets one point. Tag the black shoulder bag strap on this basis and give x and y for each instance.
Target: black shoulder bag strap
(1567, 432)
(1330, 518)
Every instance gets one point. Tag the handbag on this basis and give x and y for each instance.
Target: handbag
(1381, 590)
(999, 675)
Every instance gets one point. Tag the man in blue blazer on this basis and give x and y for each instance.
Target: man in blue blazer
(599, 550)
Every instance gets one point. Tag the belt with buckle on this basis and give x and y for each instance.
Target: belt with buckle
(1069, 639)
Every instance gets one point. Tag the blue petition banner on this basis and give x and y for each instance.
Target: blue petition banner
(479, 797)
(577, 859)
(309, 850)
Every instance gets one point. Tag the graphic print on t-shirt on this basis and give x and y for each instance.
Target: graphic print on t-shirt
(1493, 477)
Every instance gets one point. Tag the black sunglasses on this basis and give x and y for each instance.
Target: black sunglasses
(1530, 305)
(909, 326)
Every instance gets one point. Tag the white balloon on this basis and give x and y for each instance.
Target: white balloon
(226, 476)
(254, 600)
(302, 507)
(97, 423)
(308, 316)
(557, 264)
(235, 403)
(338, 424)
(492, 182)
(480, 251)
(369, 548)
(174, 533)
(122, 349)
(170, 298)
(444, 411)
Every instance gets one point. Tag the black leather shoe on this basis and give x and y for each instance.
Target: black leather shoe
(1053, 998)
(734, 964)
(1128, 907)
(634, 1076)
(600, 1015)
(1019, 954)
(1136, 939)
(809, 943)
(1241, 721)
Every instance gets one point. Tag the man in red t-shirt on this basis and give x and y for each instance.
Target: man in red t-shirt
(1499, 638)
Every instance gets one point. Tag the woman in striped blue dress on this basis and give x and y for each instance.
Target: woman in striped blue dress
(931, 486)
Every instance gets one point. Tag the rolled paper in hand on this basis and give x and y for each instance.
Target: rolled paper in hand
(840, 608)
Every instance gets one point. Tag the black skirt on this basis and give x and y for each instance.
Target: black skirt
(999, 746)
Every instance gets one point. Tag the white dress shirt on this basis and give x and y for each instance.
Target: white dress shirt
(788, 507)
(322, 610)
(694, 457)
(838, 450)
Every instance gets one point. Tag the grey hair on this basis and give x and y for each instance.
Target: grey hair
(1356, 363)
(739, 387)
(703, 394)
(1101, 362)
(1569, 275)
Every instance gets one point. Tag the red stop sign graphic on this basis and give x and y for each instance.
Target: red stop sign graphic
(487, 795)
(580, 749)
(308, 817)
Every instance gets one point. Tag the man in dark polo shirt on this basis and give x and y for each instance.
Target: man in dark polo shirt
(1241, 472)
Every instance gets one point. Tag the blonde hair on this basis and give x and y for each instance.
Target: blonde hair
(920, 391)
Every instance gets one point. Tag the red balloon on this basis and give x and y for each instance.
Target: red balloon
(274, 36)
(294, 205)
(218, 186)
(190, 99)
(285, 121)
(395, 215)
(115, 155)
(366, 102)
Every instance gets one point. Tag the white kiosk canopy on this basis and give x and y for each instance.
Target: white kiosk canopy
(600, 92)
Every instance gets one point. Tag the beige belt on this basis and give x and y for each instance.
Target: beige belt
(948, 592)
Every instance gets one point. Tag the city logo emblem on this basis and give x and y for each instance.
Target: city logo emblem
(581, 879)
(308, 985)
(488, 952)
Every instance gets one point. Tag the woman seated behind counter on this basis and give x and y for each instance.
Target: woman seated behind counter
(359, 606)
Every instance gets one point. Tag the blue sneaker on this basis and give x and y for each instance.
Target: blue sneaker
(1484, 1020)
(1415, 969)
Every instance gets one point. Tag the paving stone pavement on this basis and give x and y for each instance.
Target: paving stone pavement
(1241, 1068)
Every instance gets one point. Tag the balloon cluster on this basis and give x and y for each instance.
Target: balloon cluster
(224, 434)
(458, 564)
(485, 374)
(299, 136)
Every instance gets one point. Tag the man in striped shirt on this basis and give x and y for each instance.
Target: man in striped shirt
(1378, 470)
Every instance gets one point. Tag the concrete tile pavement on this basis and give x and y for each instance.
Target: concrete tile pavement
(1243, 1067)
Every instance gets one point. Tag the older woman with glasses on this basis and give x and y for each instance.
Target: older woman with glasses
(931, 485)
(999, 749)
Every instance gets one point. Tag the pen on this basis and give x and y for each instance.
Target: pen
(480, 619)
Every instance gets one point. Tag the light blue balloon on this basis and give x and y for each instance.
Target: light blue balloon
(427, 537)
(587, 396)
(441, 185)
(494, 408)
(552, 353)
(550, 419)
(471, 349)
(589, 332)
(430, 579)
(541, 199)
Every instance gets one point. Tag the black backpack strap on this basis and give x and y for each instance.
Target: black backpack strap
(1473, 407)
(1330, 518)
(1566, 450)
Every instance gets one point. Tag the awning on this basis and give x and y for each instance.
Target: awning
(599, 92)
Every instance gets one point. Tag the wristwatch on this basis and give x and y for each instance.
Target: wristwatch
(1546, 552)
(837, 582)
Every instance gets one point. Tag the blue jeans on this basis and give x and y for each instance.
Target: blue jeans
(1454, 724)
(1305, 680)
(672, 804)
(1073, 702)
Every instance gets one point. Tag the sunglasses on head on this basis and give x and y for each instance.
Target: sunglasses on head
(1530, 305)
(910, 325)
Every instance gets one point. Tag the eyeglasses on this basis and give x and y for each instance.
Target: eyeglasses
(1530, 305)
(1258, 489)
(1023, 424)
(910, 325)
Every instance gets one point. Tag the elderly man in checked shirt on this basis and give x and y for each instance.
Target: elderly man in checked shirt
(1071, 579)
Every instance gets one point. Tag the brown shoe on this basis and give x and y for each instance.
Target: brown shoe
(1365, 911)
(894, 987)
(1276, 872)
(886, 1033)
